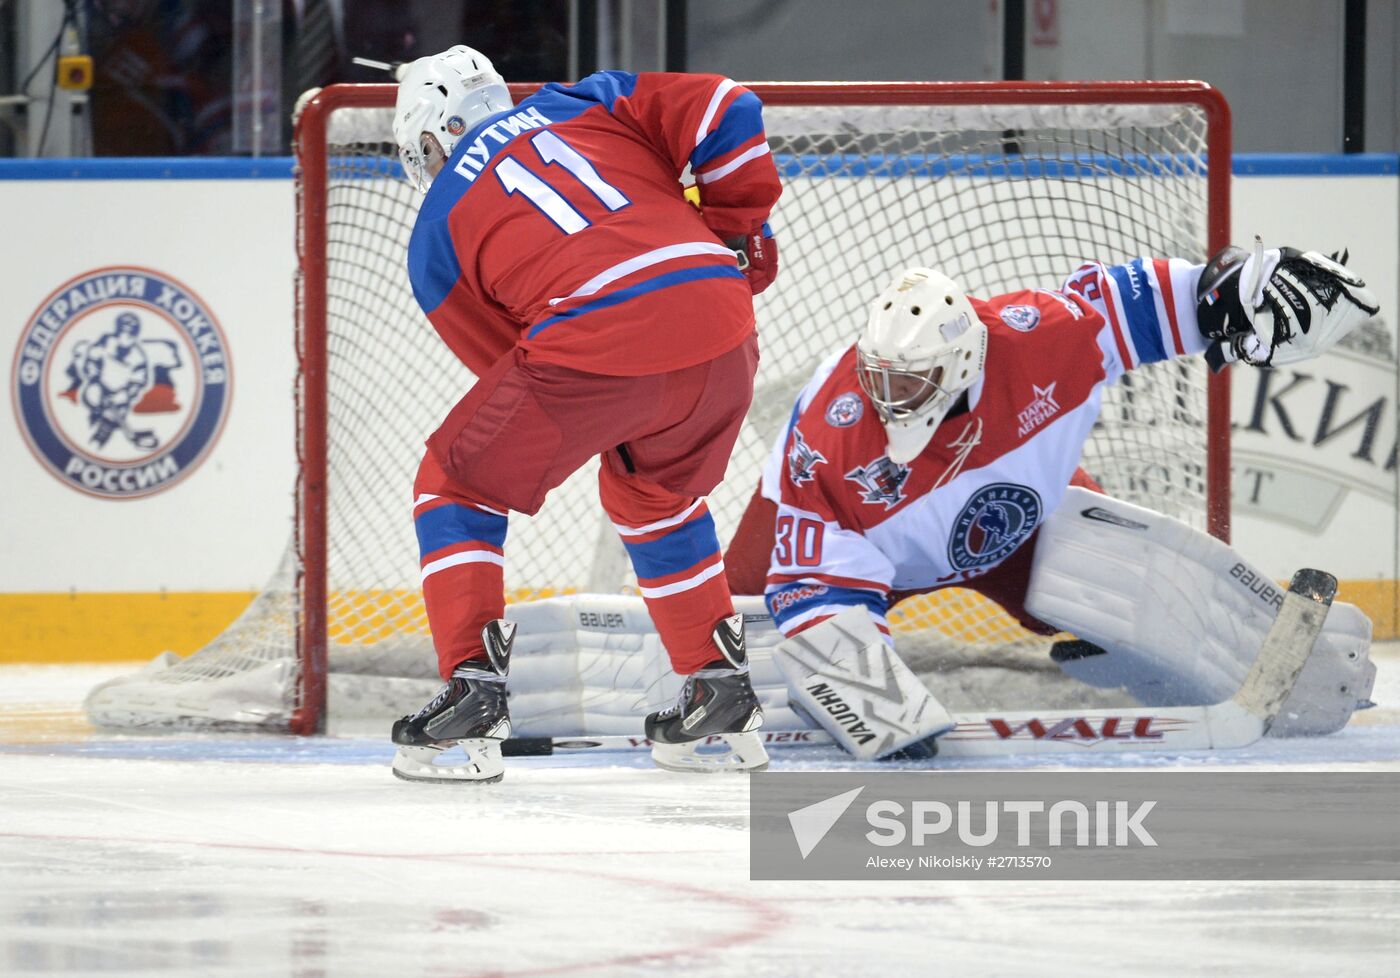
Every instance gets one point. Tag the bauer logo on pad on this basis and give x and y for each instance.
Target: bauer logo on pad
(122, 382)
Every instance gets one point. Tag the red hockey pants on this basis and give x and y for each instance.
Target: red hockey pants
(524, 428)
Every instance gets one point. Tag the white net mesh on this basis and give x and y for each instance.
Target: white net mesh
(1000, 197)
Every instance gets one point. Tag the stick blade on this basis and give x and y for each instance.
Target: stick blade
(1288, 644)
(1315, 585)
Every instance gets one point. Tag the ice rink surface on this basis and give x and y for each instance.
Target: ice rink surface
(189, 855)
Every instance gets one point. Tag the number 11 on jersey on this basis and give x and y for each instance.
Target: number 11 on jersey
(516, 178)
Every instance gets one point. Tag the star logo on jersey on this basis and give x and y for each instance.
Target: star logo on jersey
(1021, 318)
(802, 459)
(996, 520)
(1041, 409)
(882, 481)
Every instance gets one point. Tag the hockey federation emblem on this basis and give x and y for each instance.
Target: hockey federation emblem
(994, 522)
(456, 126)
(1023, 318)
(845, 410)
(802, 459)
(121, 382)
(882, 481)
(1041, 409)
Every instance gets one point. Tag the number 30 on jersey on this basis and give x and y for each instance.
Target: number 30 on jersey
(799, 541)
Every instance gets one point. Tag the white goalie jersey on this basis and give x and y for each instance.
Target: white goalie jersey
(854, 527)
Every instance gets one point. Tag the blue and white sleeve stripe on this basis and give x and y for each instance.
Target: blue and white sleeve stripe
(737, 129)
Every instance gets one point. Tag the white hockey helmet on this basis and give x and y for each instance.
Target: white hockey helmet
(921, 347)
(446, 94)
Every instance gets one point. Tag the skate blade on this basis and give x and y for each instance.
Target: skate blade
(741, 753)
(482, 765)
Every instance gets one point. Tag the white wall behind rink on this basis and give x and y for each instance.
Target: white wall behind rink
(232, 242)
(224, 526)
(1307, 490)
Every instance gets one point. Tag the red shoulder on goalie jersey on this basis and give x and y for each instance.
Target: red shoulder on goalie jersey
(838, 459)
(610, 270)
(871, 497)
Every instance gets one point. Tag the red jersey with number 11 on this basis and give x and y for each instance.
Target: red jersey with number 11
(561, 225)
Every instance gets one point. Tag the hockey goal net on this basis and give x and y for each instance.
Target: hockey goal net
(1002, 185)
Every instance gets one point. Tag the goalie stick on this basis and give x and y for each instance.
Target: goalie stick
(1237, 722)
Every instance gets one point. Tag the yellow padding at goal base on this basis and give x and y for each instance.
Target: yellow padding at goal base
(93, 626)
(111, 627)
(1380, 600)
(363, 617)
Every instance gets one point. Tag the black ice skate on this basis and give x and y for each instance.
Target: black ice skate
(711, 726)
(469, 711)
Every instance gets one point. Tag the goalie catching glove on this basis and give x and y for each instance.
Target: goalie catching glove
(1278, 306)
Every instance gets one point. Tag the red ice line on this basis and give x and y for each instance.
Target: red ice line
(767, 920)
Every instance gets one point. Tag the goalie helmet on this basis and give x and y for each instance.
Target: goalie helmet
(921, 347)
(446, 94)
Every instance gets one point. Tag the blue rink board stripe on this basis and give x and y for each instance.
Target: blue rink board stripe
(149, 168)
(280, 167)
(1314, 165)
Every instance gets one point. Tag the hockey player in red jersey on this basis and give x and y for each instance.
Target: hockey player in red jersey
(556, 254)
(941, 448)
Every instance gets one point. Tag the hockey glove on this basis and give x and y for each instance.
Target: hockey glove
(757, 253)
(1277, 306)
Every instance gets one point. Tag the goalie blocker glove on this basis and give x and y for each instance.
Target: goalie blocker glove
(757, 253)
(1278, 306)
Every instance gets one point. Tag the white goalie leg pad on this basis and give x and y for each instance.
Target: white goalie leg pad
(593, 664)
(1180, 615)
(847, 678)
